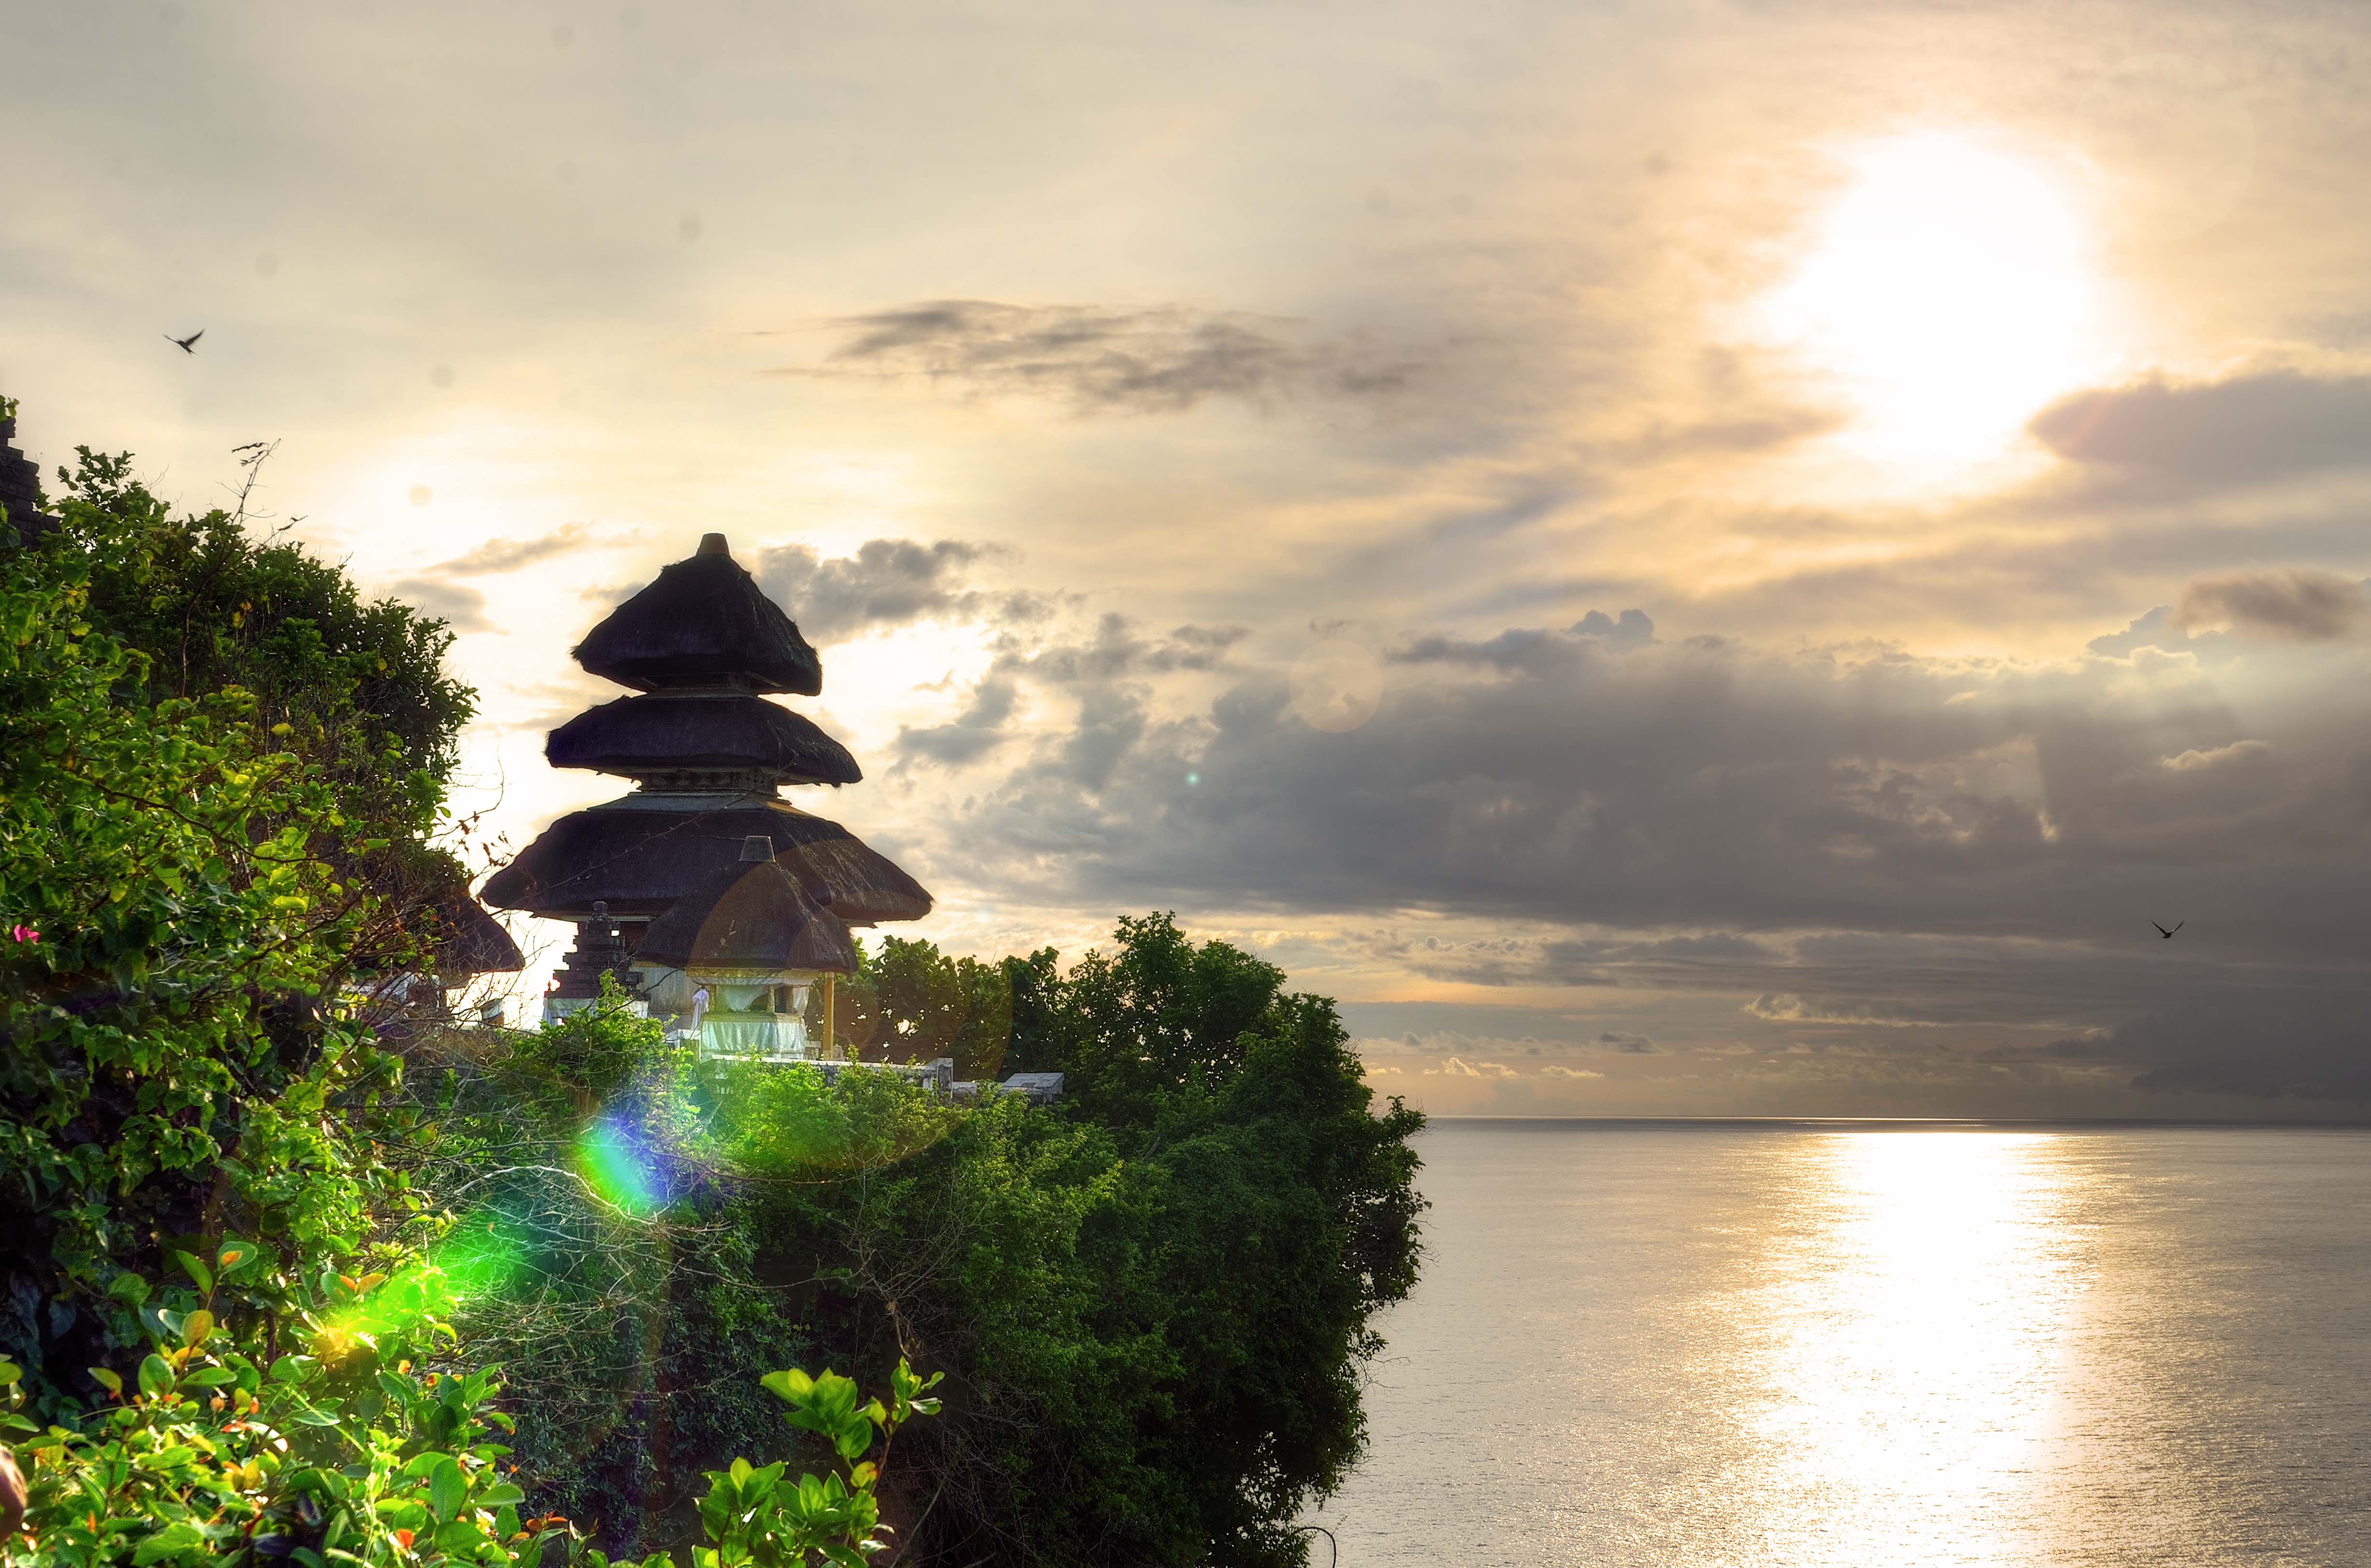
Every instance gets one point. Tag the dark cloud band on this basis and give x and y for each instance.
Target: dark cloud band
(1098, 361)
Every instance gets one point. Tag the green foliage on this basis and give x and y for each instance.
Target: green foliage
(1177, 1368)
(170, 1082)
(195, 854)
(592, 1053)
(1034, 985)
(1155, 1025)
(751, 1517)
(358, 690)
(222, 1453)
(348, 1452)
(909, 1002)
(362, 686)
(596, 1173)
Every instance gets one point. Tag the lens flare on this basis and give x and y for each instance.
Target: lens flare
(617, 1162)
(481, 1256)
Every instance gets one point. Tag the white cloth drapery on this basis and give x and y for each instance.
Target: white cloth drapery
(773, 1037)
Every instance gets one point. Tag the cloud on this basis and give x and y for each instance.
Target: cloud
(1761, 431)
(2237, 754)
(1098, 361)
(1457, 1068)
(1531, 652)
(1095, 671)
(1863, 841)
(1626, 1044)
(2247, 428)
(979, 730)
(509, 555)
(887, 582)
(1196, 647)
(1558, 1070)
(1701, 785)
(1117, 649)
(2158, 628)
(2313, 1045)
(1787, 1008)
(2299, 604)
(463, 609)
(1634, 629)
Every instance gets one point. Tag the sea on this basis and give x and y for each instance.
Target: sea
(1874, 1345)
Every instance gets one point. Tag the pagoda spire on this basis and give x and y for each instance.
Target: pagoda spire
(704, 626)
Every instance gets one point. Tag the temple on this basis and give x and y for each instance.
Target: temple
(20, 482)
(711, 899)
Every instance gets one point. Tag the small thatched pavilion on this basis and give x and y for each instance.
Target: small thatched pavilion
(704, 878)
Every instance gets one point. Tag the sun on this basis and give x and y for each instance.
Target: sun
(1949, 293)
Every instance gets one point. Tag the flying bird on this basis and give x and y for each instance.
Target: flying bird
(2169, 934)
(187, 345)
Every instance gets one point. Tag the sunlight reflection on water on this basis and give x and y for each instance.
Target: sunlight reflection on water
(1899, 1342)
(1779, 1346)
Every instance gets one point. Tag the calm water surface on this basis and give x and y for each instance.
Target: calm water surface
(1690, 1346)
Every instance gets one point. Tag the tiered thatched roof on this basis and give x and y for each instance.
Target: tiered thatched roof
(705, 852)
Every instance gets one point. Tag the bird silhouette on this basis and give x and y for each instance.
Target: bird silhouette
(2169, 934)
(187, 345)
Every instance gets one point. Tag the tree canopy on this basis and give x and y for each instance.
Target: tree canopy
(1150, 1300)
(358, 688)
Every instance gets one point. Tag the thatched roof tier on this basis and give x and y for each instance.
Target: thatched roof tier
(704, 623)
(748, 918)
(646, 851)
(857, 883)
(466, 940)
(641, 737)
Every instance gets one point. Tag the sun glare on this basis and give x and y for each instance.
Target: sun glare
(1949, 295)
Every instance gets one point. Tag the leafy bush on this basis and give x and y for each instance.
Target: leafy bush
(345, 1451)
(349, 1453)
(361, 684)
(171, 1080)
(1174, 1372)
(751, 1517)
(357, 689)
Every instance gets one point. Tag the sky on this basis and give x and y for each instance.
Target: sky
(1700, 558)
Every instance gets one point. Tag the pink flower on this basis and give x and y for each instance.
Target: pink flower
(25, 933)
